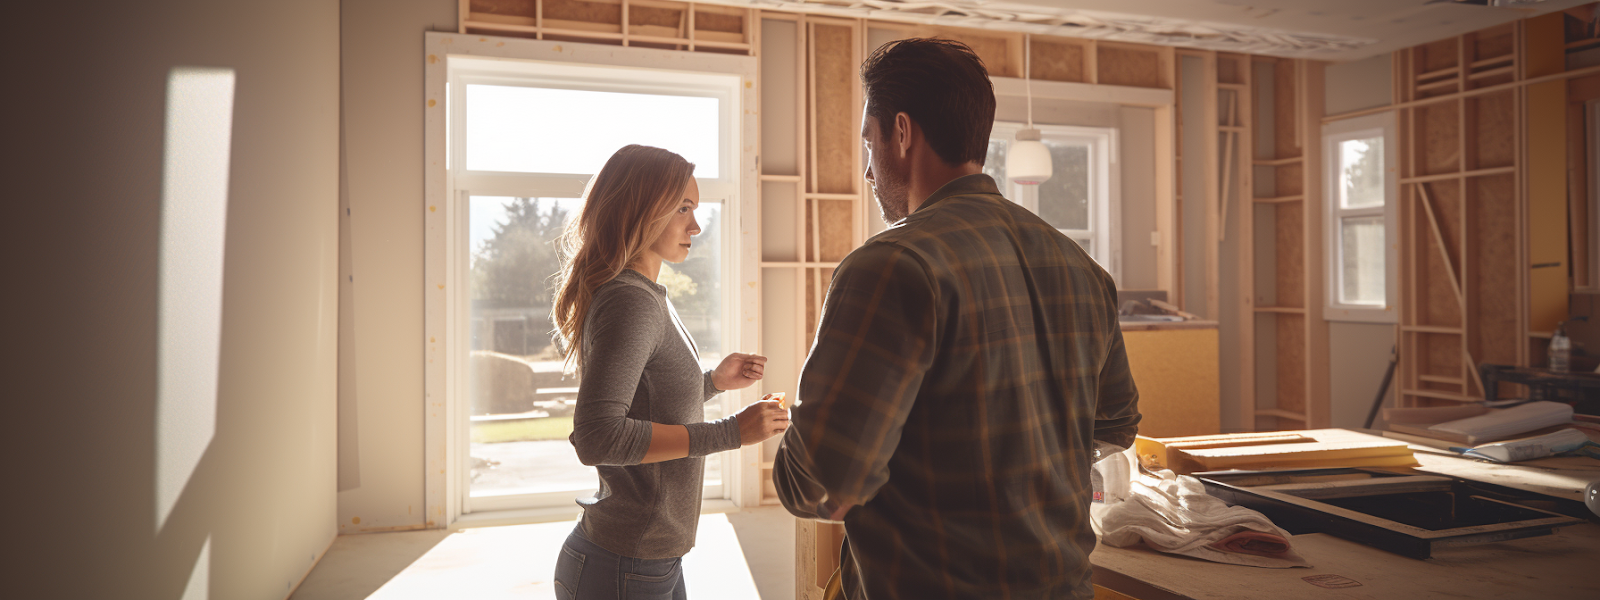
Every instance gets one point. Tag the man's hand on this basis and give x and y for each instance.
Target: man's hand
(761, 420)
(738, 371)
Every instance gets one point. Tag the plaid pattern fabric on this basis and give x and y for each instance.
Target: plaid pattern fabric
(966, 360)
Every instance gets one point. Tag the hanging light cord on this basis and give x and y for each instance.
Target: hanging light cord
(1027, 73)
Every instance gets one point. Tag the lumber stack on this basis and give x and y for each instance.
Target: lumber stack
(1270, 450)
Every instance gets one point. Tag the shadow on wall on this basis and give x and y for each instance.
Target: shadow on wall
(172, 365)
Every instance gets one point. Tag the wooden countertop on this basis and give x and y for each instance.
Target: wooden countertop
(1552, 566)
(1166, 325)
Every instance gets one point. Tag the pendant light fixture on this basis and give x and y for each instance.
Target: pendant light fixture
(1028, 160)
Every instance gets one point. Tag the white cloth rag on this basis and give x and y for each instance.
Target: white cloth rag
(1173, 514)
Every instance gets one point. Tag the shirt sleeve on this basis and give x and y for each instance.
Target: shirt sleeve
(621, 333)
(1116, 414)
(875, 341)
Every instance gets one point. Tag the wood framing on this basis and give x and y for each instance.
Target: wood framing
(662, 24)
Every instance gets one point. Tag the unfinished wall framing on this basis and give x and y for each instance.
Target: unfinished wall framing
(1261, 115)
(1463, 204)
(661, 24)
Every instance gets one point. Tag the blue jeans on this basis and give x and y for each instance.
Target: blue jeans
(585, 571)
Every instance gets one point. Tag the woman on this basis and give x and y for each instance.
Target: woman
(639, 416)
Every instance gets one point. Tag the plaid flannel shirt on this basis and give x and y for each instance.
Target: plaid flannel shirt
(966, 360)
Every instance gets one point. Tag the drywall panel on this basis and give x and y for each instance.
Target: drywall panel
(1358, 84)
(1358, 355)
(779, 97)
(251, 507)
(381, 42)
(1138, 157)
(1191, 73)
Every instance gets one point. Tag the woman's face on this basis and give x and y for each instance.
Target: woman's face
(673, 245)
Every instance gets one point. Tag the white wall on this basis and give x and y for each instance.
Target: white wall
(1136, 130)
(85, 135)
(381, 400)
(1358, 353)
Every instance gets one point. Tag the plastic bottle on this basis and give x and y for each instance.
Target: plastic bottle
(1560, 350)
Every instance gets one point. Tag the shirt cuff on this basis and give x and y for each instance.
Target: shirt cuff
(710, 390)
(706, 439)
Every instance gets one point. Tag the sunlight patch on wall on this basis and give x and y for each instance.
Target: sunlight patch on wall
(194, 216)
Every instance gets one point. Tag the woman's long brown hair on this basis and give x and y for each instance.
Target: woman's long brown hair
(625, 208)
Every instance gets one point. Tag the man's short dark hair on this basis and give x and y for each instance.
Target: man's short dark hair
(942, 85)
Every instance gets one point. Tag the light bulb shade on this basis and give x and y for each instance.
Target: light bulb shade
(1028, 160)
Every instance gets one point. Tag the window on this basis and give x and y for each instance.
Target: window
(524, 139)
(1361, 183)
(1079, 199)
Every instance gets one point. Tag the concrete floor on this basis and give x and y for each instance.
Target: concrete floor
(743, 555)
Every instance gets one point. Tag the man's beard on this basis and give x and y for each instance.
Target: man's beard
(892, 191)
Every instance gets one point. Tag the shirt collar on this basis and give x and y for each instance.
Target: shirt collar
(976, 183)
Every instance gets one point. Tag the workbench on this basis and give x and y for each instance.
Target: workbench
(1563, 565)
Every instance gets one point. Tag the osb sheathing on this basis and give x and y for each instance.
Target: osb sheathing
(1285, 103)
(1129, 65)
(1492, 123)
(512, 8)
(578, 10)
(707, 20)
(837, 120)
(1291, 359)
(1491, 295)
(1289, 235)
(1437, 138)
(1492, 42)
(1056, 59)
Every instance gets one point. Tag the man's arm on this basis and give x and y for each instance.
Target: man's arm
(1116, 414)
(876, 339)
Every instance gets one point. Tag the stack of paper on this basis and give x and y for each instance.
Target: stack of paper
(1505, 423)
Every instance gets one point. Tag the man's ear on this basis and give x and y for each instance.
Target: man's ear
(903, 130)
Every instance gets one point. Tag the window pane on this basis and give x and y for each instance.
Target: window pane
(1362, 261)
(521, 406)
(1361, 172)
(1064, 198)
(995, 164)
(541, 130)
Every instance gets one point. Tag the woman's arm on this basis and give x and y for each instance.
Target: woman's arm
(622, 332)
(667, 442)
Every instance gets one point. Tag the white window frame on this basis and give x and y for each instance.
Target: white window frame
(1381, 125)
(452, 61)
(1105, 206)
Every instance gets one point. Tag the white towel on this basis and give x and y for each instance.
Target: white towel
(1173, 514)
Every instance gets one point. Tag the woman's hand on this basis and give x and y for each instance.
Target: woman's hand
(760, 421)
(738, 371)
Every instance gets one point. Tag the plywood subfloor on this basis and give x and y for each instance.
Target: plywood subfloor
(746, 555)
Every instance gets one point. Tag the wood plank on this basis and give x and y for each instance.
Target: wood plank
(1540, 567)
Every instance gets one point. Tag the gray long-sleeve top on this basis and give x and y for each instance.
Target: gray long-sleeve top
(640, 367)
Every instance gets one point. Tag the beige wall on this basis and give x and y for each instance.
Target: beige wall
(1136, 130)
(256, 509)
(1359, 84)
(1358, 353)
(381, 344)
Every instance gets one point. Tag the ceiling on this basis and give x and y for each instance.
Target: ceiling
(1333, 30)
(1389, 24)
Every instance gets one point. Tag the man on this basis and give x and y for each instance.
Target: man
(967, 359)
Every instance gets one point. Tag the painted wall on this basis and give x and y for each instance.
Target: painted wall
(1358, 353)
(380, 340)
(1359, 84)
(1136, 158)
(147, 472)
